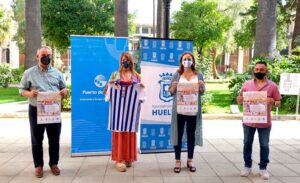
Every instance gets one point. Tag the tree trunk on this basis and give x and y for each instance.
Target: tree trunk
(159, 19)
(200, 54)
(32, 31)
(265, 34)
(297, 25)
(214, 55)
(121, 18)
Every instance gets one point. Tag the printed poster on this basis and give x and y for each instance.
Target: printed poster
(48, 108)
(187, 98)
(255, 107)
(289, 83)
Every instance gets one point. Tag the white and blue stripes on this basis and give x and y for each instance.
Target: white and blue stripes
(125, 107)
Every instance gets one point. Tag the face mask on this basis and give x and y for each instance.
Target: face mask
(259, 75)
(126, 64)
(187, 63)
(46, 60)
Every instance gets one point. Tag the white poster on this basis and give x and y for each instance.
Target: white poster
(255, 107)
(157, 79)
(289, 84)
(187, 98)
(48, 108)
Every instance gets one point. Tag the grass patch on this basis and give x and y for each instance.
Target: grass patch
(10, 95)
(221, 98)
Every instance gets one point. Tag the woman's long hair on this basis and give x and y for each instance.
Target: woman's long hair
(181, 68)
(129, 58)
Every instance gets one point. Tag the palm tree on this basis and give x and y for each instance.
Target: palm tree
(32, 31)
(297, 24)
(265, 34)
(121, 18)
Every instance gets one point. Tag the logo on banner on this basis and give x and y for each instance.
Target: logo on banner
(163, 45)
(100, 81)
(171, 45)
(154, 44)
(145, 43)
(179, 45)
(165, 83)
(188, 45)
(154, 56)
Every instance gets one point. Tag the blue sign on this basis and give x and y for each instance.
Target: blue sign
(93, 59)
(160, 60)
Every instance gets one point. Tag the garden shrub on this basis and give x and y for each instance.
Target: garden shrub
(5, 75)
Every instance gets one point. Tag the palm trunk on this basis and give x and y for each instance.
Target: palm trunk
(265, 34)
(121, 18)
(297, 25)
(32, 31)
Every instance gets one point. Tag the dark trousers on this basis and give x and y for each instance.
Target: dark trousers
(37, 136)
(190, 122)
(264, 136)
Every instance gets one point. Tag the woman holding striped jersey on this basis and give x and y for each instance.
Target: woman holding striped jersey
(124, 149)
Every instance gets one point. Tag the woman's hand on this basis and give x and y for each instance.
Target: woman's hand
(201, 83)
(173, 86)
(142, 85)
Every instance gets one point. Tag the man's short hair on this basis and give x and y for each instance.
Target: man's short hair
(261, 62)
(47, 47)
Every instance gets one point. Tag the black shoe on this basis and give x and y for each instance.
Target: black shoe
(177, 169)
(192, 168)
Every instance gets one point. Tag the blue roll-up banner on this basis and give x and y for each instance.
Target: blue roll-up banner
(93, 59)
(159, 61)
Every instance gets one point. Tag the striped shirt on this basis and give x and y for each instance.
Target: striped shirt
(125, 107)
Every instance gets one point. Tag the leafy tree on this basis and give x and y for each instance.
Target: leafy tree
(62, 18)
(19, 16)
(6, 25)
(201, 22)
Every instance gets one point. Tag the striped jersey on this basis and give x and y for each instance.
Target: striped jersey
(125, 107)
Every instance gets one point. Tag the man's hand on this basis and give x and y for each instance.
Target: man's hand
(30, 94)
(63, 92)
(270, 101)
(239, 100)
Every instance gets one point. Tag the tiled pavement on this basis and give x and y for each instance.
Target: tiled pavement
(219, 160)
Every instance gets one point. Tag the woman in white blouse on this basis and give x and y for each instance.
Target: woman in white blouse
(190, 118)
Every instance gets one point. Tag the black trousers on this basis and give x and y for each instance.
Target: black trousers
(37, 137)
(190, 122)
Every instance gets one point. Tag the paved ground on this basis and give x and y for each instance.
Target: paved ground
(219, 160)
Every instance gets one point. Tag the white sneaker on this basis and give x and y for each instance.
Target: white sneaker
(246, 172)
(264, 174)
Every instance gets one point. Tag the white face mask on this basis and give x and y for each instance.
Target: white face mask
(187, 63)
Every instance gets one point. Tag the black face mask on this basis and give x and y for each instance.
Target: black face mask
(259, 75)
(46, 60)
(126, 64)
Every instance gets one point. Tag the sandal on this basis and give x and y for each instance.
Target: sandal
(177, 167)
(190, 166)
(121, 167)
(128, 164)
